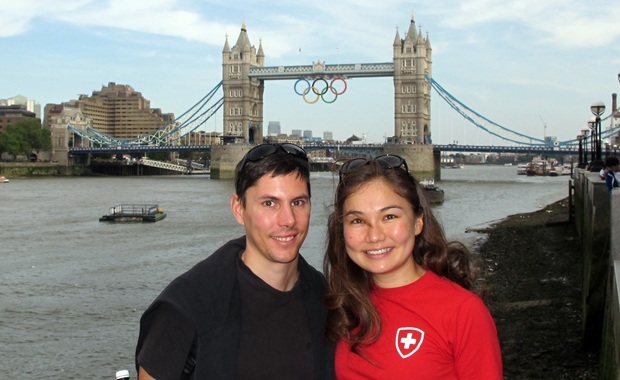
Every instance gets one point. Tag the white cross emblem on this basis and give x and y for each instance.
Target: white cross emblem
(408, 341)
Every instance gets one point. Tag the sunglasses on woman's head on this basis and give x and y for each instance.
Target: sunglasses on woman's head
(386, 161)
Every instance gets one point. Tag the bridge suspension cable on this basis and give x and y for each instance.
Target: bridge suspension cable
(478, 120)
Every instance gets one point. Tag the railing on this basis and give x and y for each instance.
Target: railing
(134, 210)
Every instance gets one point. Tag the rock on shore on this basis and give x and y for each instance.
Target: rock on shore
(532, 281)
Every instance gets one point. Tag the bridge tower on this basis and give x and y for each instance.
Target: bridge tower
(243, 96)
(412, 93)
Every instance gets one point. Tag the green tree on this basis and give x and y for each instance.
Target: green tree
(24, 136)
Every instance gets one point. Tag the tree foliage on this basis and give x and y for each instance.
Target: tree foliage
(24, 136)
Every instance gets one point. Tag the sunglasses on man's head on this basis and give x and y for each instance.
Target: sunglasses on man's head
(261, 151)
(386, 161)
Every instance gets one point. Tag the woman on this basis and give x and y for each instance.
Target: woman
(399, 299)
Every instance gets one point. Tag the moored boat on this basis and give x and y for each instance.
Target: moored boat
(3, 179)
(132, 213)
(434, 194)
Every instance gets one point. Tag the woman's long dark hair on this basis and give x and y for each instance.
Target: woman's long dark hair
(352, 315)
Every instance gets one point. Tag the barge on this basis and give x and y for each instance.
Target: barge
(434, 195)
(132, 213)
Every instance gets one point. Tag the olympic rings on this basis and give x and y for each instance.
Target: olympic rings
(320, 93)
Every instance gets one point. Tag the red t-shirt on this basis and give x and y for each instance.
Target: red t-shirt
(430, 329)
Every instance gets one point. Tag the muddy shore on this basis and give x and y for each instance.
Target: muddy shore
(532, 286)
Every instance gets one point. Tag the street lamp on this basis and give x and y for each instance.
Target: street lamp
(597, 108)
(580, 161)
(592, 126)
(584, 133)
(607, 145)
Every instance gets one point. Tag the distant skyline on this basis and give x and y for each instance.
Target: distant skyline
(524, 64)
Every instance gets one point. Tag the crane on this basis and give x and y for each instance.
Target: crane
(544, 126)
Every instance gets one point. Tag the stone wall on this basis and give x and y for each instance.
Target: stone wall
(17, 169)
(610, 348)
(597, 215)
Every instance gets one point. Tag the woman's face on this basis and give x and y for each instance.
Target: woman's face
(380, 229)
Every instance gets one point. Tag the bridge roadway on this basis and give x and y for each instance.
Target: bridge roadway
(361, 149)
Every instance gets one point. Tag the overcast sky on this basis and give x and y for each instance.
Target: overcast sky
(524, 64)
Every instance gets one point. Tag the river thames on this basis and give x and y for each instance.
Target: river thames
(73, 289)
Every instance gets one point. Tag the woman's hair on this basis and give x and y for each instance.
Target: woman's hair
(351, 314)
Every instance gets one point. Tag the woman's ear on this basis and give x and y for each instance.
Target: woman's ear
(419, 225)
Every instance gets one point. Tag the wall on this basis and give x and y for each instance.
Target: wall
(610, 349)
(597, 214)
(17, 169)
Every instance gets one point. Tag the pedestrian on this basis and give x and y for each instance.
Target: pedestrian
(399, 300)
(612, 173)
(253, 308)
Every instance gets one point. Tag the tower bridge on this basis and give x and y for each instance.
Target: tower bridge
(244, 75)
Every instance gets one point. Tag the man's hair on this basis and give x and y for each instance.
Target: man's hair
(279, 163)
(611, 161)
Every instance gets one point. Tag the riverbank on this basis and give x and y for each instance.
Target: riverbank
(39, 169)
(532, 281)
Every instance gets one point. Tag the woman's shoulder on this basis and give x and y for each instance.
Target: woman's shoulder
(450, 292)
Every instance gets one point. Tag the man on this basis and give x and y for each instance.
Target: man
(253, 309)
(612, 174)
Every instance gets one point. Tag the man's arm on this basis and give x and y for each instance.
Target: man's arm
(143, 375)
(167, 337)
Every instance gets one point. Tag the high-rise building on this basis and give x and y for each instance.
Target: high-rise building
(328, 136)
(13, 113)
(273, 128)
(307, 134)
(29, 104)
(122, 112)
(296, 132)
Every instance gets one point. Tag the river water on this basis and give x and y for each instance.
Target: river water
(72, 289)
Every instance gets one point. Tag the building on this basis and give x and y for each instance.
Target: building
(57, 118)
(307, 134)
(11, 114)
(412, 93)
(120, 111)
(201, 138)
(296, 132)
(328, 136)
(273, 128)
(243, 96)
(30, 104)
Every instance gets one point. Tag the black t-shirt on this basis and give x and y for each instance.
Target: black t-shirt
(275, 337)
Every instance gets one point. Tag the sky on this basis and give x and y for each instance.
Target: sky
(528, 65)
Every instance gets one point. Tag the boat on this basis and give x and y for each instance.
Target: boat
(3, 179)
(522, 169)
(434, 194)
(542, 167)
(132, 213)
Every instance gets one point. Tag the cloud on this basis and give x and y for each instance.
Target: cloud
(561, 23)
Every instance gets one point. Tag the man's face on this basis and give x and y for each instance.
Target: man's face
(276, 216)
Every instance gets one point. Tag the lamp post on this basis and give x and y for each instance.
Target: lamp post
(580, 161)
(597, 108)
(607, 145)
(592, 126)
(584, 133)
